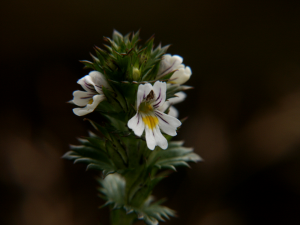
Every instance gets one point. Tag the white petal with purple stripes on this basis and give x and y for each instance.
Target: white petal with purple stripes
(179, 97)
(93, 94)
(159, 89)
(89, 107)
(82, 98)
(168, 64)
(143, 91)
(136, 124)
(167, 123)
(149, 117)
(173, 63)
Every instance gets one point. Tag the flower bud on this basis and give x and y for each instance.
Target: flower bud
(136, 73)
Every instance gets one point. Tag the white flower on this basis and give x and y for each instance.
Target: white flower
(180, 96)
(169, 64)
(150, 118)
(93, 94)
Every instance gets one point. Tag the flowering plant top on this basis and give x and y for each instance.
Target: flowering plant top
(131, 90)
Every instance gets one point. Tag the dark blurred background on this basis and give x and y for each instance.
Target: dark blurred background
(244, 113)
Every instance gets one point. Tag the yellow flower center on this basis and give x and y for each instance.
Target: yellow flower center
(145, 107)
(150, 121)
(90, 101)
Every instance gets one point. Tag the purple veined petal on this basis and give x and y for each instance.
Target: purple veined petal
(180, 96)
(167, 123)
(157, 105)
(143, 91)
(140, 97)
(98, 80)
(168, 64)
(82, 98)
(172, 110)
(136, 124)
(159, 89)
(89, 107)
(87, 84)
(163, 107)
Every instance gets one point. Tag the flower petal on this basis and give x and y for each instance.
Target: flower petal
(98, 80)
(161, 141)
(82, 98)
(143, 91)
(168, 64)
(180, 96)
(136, 124)
(164, 107)
(89, 107)
(151, 142)
(159, 89)
(87, 84)
(154, 137)
(173, 112)
(167, 123)
(181, 76)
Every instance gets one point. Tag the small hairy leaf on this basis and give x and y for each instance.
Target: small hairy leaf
(174, 155)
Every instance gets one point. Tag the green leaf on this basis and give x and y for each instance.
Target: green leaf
(147, 75)
(117, 37)
(100, 128)
(88, 64)
(114, 46)
(113, 191)
(136, 178)
(115, 155)
(95, 142)
(113, 188)
(117, 121)
(159, 52)
(119, 148)
(166, 77)
(149, 45)
(152, 213)
(115, 105)
(128, 91)
(120, 98)
(135, 38)
(174, 155)
(94, 158)
(101, 54)
(143, 190)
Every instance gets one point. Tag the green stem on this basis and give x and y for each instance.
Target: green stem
(119, 217)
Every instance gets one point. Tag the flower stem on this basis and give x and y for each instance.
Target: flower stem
(119, 217)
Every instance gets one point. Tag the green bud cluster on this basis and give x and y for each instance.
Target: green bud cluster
(124, 58)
